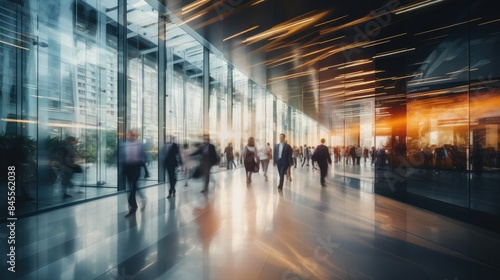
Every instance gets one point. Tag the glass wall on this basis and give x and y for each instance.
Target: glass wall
(142, 82)
(240, 111)
(218, 112)
(417, 98)
(184, 94)
(78, 74)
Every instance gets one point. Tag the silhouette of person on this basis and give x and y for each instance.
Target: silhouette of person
(208, 158)
(229, 152)
(250, 159)
(322, 157)
(282, 158)
(172, 159)
(133, 158)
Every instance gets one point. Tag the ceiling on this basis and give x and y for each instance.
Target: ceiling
(318, 54)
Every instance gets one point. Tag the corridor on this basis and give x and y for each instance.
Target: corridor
(253, 232)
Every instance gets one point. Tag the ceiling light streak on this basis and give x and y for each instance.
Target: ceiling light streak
(393, 52)
(437, 37)
(193, 6)
(344, 64)
(293, 75)
(416, 6)
(357, 74)
(379, 43)
(278, 30)
(405, 77)
(329, 21)
(240, 33)
(448, 26)
(359, 91)
(356, 64)
(276, 37)
(193, 18)
(257, 2)
(429, 82)
(488, 22)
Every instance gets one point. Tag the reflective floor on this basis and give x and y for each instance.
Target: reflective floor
(241, 231)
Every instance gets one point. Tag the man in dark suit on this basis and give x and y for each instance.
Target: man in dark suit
(208, 158)
(282, 158)
(322, 156)
(172, 159)
(133, 155)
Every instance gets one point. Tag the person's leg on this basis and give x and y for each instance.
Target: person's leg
(281, 172)
(207, 178)
(146, 172)
(265, 166)
(323, 170)
(66, 183)
(172, 180)
(133, 174)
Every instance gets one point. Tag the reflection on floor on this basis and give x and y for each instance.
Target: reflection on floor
(252, 231)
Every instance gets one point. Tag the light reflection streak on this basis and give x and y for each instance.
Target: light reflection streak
(330, 21)
(429, 82)
(192, 18)
(488, 22)
(277, 29)
(448, 26)
(18, 121)
(14, 45)
(188, 8)
(415, 6)
(393, 52)
(240, 33)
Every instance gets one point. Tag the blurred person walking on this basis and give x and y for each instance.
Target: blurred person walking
(322, 157)
(282, 158)
(250, 159)
(172, 159)
(133, 158)
(265, 154)
(229, 153)
(307, 155)
(208, 158)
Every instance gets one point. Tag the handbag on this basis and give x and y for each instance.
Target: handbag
(256, 167)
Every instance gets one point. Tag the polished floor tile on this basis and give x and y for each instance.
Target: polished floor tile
(241, 231)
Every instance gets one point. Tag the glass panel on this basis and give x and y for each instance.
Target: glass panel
(77, 101)
(270, 121)
(240, 87)
(184, 100)
(142, 96)
(18, 107)
(260, 116)
(432, 160)
(218, 114)
(484, 134)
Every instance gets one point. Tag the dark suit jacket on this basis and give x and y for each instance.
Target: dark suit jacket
(321, 155)
(172, 155)
(286, 156)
